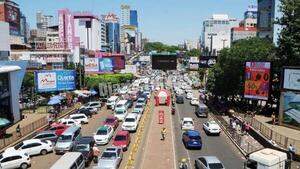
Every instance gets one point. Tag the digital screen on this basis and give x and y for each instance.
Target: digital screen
(164, 62)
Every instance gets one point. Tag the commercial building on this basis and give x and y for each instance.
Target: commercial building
(191, 44)
(42, 23)
(10, 12)
(24, 28)
(134, 18)
(216, 33)
(112, 32)
(4, 42)
(242, 33)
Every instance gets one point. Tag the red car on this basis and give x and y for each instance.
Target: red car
(122, 139)
(111, 121)
(58, 128)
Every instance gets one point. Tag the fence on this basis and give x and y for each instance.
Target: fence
(24, 131)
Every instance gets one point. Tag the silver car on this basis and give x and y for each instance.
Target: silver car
(208, 162)
(111, 158)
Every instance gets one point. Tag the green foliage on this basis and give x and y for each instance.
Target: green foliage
(288, 42)
(226, 78)
(93, 81)
(160, 47)
(28, 81)
(193, 52)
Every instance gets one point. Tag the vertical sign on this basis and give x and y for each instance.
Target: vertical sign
(66, 27)
(61, 28)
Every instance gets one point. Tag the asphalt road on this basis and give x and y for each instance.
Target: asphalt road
(46, 161)
(219, 146)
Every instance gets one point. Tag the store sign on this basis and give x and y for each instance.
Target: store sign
(56, 80)
(207, 61)
(291, 79)
(66, 28)
(257, 80)
(91, 65)
(12, 16)
(55, 58)
(130, 69)
(50, 45)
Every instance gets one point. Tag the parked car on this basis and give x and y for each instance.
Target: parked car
(85, 146)
(122, 139)
(70, 122)
(66, 140)
(103, 135)
(58, 128)
(192, 139)
(33, 147)
(14, 159)
(111, 158)
(187, 123)
(87, 111)
(82, 118)
(189, 95)
(179, 99)
(47, 135)
(95, 104)
(70, 160)
(211, 127)
(120, 114)
(208, 162)
(112, 122)
(130, 122)
(129, 103)
(123, 90)
(195, 101)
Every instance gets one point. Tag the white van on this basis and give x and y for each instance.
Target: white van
(70, 160)
(121, 105)
(111, 102)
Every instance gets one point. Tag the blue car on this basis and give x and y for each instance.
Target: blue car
(192, 139)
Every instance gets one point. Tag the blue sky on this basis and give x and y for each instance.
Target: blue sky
(168, 21)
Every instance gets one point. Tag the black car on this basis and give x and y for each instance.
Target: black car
(85, 146)
(85, 111)
(180, 99)
(130, 103)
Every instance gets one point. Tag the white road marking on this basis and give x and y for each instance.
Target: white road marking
(174, 150)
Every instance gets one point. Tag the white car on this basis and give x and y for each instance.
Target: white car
(69, 122)
(33, 147)
(120, 114)
(82, 118)
(179, 92)
(130, 122)
(212, 127)
(189, 95)
(95, 104)
(157, 88)
(138, 113)
(187, 123)
(103, 135)
(123, 90)
(14, 159)
(195, 101)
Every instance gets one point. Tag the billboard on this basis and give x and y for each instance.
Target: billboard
(12, 16)
(207, 61)
(194, 64)
(106, 65)
(66, 28)
(291, 109)
(130, 69)
(91, 65)
(54, 80)
(291, 78)
(257, 80)
(164, 62)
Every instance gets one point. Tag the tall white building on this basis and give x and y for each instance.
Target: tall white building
(4, 42)
(125, 21)
(42, 23)
(216, 33)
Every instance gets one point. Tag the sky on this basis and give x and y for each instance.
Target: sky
(167, 21)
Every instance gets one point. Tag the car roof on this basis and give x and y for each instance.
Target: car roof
(32, 141)
(12, 153)
(58, 124)
(211, 159)
(187, 119)
(212, 122)
(130, 115)
(85, 140)
(122, 132)
(110, 117)
(111, 149)
(46, 132)
(193, 133)
(78, 114)
(103, 128)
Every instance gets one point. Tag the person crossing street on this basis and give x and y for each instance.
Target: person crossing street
(163, 132)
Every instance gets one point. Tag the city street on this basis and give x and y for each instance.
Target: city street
(219, 146)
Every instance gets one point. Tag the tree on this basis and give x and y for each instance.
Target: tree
(193, 52)
(288, 52)
(160, 47)
(28, 81)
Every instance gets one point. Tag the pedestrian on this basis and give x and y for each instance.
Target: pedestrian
(243, 127)
(50, 119)
(292, 152)
(163, 132)
(96, 153)
(247, 127)
(273, 118)
(18, 130)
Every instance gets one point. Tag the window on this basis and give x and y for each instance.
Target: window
(15, 158)
(203, 161)
(57, 66)
(74, 166)
(6, 160)
(79, 160)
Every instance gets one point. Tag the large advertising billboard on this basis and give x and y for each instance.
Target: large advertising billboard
(99, 65)
(66, 28)
(291, 109)
(12, 16)
(106, 65)
(291, 79)
(54, 80)
(164, 62)
(257, 80)
(207, 61)
(194, 64)
(91, 65)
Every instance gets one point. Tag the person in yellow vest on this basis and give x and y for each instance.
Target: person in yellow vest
(163, 132)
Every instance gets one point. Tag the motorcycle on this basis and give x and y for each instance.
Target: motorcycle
(173, 110)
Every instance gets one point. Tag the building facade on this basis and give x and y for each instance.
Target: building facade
(10, 12)
(112, 32)
(4, 42)
(134, 18)
(216, 33)
(242, 33)
(42, 23)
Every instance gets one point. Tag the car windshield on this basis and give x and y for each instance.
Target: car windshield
(188, 122)
(129, 120)
(120, 138)
(82, 147)
(101, 132)
(140, 101)
(109, 120)
(86, 105)
(215, 166)
(18, 146)
(119, 105)
(138, 106)
(120, 112)
(65, 138)
(110, 155)
(194, 137)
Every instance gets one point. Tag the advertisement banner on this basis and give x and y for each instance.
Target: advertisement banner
(164, 62)
(106, 65)
(194, 64)
(291, 109)
(66, 28)
(291, 79)
(54, 80)
(207, 61)
(12, 16)
(91, 65)
(257, 80)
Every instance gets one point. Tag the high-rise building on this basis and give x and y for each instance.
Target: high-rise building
(216, 33)
(10, 12)
(242, 33)
(42, 23)
(112, 32)
(134, 18)
(24, 28)
(4, 42)
(268, 11)
(125, 15)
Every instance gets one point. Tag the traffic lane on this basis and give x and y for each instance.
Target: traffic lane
(219, 146)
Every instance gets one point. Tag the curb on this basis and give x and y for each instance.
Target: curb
(24, 137)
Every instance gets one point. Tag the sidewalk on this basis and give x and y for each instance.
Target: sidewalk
(159, 154)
